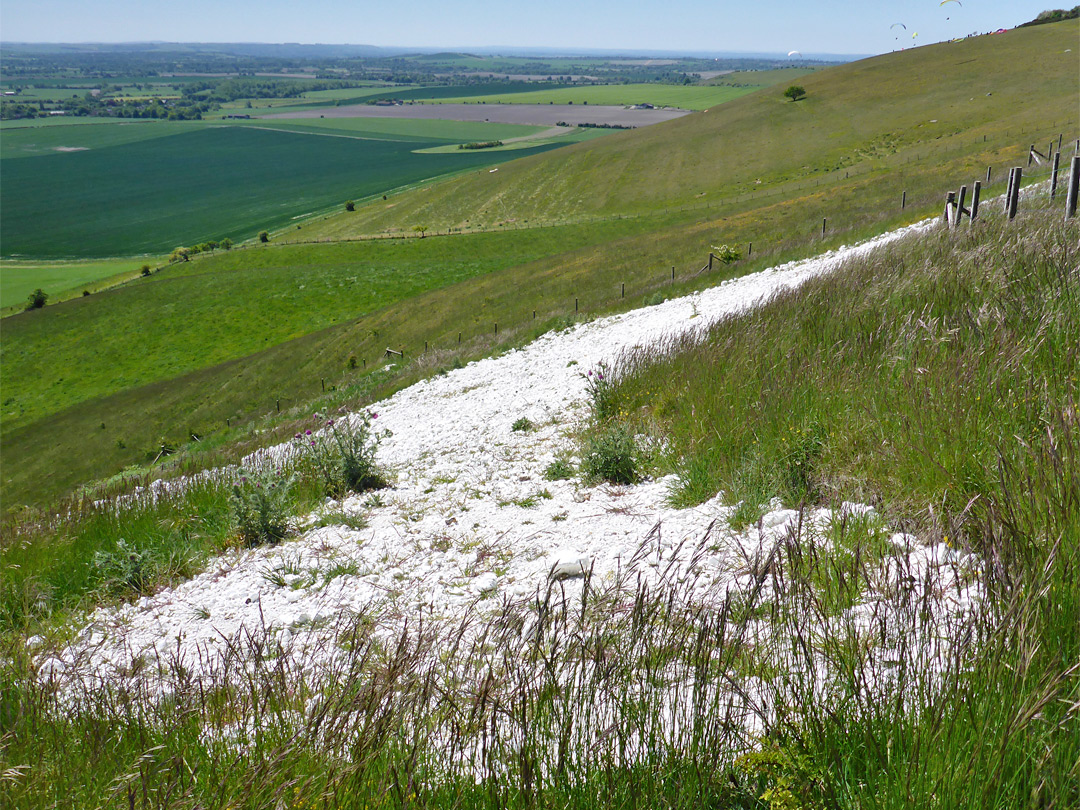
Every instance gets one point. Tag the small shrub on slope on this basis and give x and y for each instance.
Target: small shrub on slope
(611, 455)
(341, 455)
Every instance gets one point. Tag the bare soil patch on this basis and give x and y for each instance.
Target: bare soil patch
(534, 114)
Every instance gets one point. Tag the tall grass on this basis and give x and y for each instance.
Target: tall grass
(906, 379)
(130, 540)
(631, 693)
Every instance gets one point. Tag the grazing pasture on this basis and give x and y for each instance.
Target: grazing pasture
(870, 135)
(226, 306)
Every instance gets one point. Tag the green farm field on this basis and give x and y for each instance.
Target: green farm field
(22, 139)
(149, 195)
(858, 119)
(759, 78)
(62, 280)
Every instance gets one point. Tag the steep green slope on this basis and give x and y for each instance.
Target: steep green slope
(880, 112)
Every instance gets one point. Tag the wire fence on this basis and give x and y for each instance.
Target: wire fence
(371, 355)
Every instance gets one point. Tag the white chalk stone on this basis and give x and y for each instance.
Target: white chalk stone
(485, 583)
(567, 564)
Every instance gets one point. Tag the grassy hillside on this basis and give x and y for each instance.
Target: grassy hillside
(641, 203)
(888, 113)
(217, 309)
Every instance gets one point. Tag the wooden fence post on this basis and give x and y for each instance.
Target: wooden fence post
(903, 201)
(277, 402)
(1008, 189)
(624, 289)
(1074, 187)
(948, 217)
(1014, 197)
(575, 305)
(974, 202)
(988, 168)
(823, 221)
(1054, 174)
(1031, 154)
(960, 210)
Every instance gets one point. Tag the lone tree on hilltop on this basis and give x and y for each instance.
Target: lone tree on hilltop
(795, 92)
(420, 229)
(350, 205)
(264, 236)
(37, 299)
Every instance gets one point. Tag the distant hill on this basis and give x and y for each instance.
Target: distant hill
(287, 50)
(1055, 15)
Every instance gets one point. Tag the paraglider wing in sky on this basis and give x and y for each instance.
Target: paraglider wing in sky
(794, 53)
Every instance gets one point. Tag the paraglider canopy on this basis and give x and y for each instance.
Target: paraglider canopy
(898, 25)
(794, 53)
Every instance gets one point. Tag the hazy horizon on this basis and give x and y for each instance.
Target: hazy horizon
(694, 27)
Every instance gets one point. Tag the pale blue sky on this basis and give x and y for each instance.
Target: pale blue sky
(826, 26)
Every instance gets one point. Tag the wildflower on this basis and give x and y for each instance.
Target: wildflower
(307, 432)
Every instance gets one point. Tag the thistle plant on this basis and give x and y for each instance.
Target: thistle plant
(341, 454)
(602, 392)
(260, 503)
